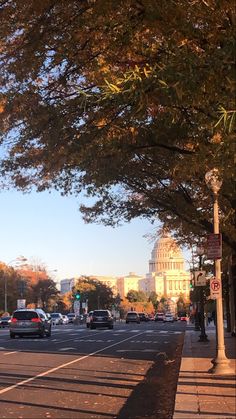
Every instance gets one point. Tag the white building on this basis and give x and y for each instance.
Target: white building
(67, 285)
(167, 276)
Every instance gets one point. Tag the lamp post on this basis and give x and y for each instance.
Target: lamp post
(203, 336)
(19, 259)
(221, 362)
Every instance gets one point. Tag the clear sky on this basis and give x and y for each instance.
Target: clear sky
(49, 229)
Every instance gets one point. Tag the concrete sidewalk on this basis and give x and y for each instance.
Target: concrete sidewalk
(200, 393)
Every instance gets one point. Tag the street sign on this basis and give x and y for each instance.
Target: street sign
(214, 246)
(215, 288)
(77, 307)
(200, 278)
(21, 303)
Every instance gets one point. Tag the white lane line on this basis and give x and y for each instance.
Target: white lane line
(136, 350)
(43, 374)
(66, 349)
(9, 353)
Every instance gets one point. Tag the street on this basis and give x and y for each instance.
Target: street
(128, 372)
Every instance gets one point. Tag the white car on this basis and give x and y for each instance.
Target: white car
(56, 318)
(65, 319)
(168, 318)
(88, 318)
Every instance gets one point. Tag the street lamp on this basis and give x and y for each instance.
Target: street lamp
(203, 337)
(19, 259)
(221, 362)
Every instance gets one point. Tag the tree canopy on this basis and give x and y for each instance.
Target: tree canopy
(130, 101)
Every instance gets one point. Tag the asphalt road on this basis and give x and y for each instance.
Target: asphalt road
(128, 372)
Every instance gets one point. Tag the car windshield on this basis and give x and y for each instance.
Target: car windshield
(132, 314)
(5, 318)
(70, 315)
(55, 315)
(25, 315)
(100, 313)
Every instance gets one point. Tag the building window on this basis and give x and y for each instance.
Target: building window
(170, 285)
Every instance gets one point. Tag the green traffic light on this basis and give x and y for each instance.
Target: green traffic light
(77, 295)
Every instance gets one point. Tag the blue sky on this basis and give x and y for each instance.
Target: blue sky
(49, 229)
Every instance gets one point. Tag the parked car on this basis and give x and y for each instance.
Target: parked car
(182, 316)
(132, 316)
(30, 322)
(168, 317)
(71, 317)
(143, 317)
(65, 319)
(101, 318)
(5, 321)
(159, 317)
(56, 318)
(88, 318)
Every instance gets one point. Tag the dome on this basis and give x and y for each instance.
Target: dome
(166, 255)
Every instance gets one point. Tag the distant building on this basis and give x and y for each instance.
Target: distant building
(167, 276)
(67, 285)
(127, 283)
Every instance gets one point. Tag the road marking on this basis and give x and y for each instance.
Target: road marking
(9, 353)
(136, 350)
(66, 349)
(43, 374)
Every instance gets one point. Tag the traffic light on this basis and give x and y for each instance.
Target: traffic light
(77, 295)
(191, 285)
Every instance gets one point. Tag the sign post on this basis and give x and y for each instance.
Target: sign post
(200, 278)
(215, 288)
(21, 303)
(214, 246)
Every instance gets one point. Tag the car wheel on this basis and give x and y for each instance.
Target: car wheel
(92, 326)
(111, 326)
(48, 333)
(42, 334)
(126, 322)
(12, 335)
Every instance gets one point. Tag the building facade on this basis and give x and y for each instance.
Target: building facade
(167, 275)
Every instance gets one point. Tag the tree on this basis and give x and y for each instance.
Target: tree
(98, 294)
(44, 291)
(146, 87)
(136, 296)
(153, 299)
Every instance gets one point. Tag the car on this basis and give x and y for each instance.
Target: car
(30, 322)
(182, 316)
(88, 318)
(5, 321)
(143, 317)
(56, 318)
(132, 316)
(65, 319)
(71, 317)
(168, 317)
(101, 318)
(159, 317)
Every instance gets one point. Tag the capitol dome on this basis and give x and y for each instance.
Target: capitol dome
(166, 255)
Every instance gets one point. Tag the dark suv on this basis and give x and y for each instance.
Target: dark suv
(30, 322)
(101, 318)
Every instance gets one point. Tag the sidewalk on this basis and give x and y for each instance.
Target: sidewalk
(201, 394)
